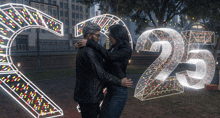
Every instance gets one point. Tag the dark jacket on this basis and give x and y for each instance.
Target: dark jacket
(90, 76)
(116, 61)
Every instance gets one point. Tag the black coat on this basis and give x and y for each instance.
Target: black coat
(116, 61)
(90, 76)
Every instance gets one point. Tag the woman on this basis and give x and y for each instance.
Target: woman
(115, 62)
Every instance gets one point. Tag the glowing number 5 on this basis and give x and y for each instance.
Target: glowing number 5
(155, 81)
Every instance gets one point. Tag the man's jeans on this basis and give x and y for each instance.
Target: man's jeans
(89, 110)
(113, 104)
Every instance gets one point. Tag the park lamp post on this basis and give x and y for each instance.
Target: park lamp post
(38, 30)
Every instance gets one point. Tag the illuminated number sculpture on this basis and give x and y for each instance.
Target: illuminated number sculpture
(15, 18)
(155, 82)
(203, 59)
(104, 21)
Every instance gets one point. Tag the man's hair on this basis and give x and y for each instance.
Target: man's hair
(90, 28)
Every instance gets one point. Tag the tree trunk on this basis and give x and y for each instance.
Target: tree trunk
(108, 6)
(206, 27)
(160, 23)
(119, 1)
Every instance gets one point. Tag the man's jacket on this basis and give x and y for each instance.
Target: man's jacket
(90, 76)
(116, 60)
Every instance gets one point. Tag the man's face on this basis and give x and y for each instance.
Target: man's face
(96, 36)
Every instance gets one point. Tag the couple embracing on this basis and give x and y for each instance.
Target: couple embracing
(98, 68)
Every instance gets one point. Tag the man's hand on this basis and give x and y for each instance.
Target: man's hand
(126, 82)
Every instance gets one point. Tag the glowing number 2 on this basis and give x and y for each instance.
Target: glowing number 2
(12, 81)
(155, 81)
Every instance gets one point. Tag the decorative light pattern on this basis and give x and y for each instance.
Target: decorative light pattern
(203, 59)
(193, 39)
(104, 21)
(152, 83)
(155, 81)
(15, 18)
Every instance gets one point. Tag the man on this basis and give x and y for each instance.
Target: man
(90, 76)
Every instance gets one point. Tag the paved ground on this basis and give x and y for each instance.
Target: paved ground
(59, 90)
(190, 104)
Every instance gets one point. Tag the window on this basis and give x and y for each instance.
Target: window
(73, 7)
(50, 10)
(37, 6)
(61, 5)
(26, 2)
(87, 16)
(49, 1)
(73, 22)
(66, 31)
(42, 7)
(81, 16)
(66, 22)
(61, 13)
(87, 10)
(73, 31)
(21, 44)
(66, 14)
(65, 6)
(54, 2)
(20, 1)
(73, 0)
(28, 30)
(77, 8)
(81, 9)
(66, 0)
(73, 15)
(77, 15)
(42, 1)
(54, 12)
(13, 1)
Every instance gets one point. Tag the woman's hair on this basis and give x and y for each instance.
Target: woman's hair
(119, 33)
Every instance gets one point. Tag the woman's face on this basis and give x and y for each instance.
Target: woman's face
(112, 40)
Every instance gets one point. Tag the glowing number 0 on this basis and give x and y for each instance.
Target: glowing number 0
(155, 81)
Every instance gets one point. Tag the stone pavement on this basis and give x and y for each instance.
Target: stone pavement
(59, 90)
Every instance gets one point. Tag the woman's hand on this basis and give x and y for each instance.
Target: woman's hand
(80, 43)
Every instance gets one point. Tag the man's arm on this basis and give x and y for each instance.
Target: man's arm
(97, 66)
(123, 53)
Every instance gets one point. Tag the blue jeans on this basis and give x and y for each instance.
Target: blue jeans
(114, 103)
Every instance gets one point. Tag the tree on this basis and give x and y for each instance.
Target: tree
(208, 12)
(141, 11)
(116, 7)
(144, 12)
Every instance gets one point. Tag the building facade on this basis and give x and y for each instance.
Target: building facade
(68, 11)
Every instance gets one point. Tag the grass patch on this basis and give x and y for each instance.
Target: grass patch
(50, 74)
(131, 69)
(71, 72)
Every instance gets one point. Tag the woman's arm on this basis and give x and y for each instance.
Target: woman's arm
(119, 55)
